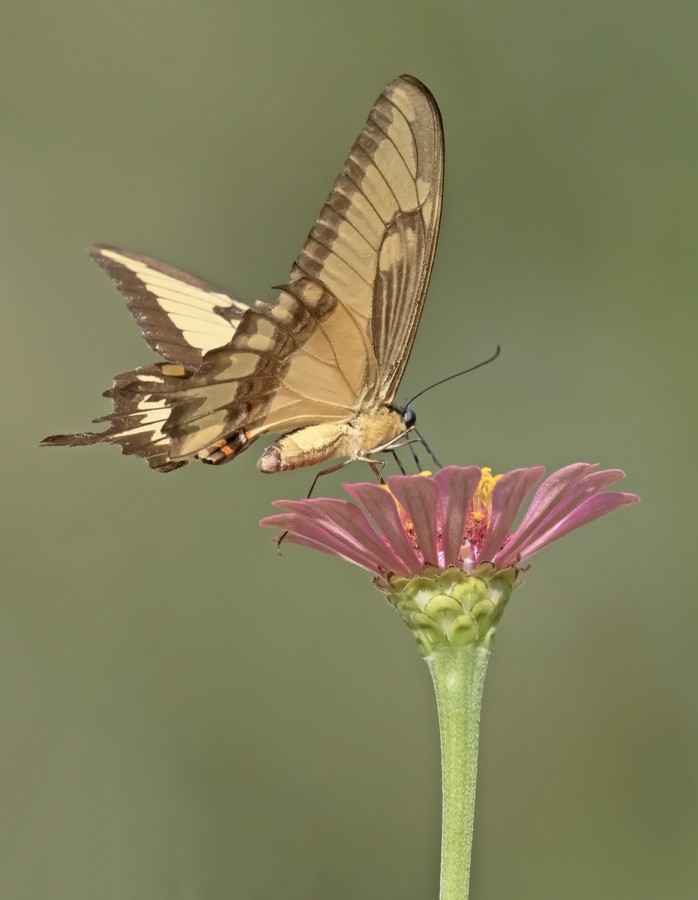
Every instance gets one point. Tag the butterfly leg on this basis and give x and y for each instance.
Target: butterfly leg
(398, 462)
(377, 467)
(312, 488)
(428, 449)
(326, 472)
(402, 440)
(417, 463)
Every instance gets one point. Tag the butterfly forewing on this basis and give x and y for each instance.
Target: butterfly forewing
(330, 353)
(374, 242)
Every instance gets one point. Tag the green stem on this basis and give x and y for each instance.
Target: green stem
(458, 674)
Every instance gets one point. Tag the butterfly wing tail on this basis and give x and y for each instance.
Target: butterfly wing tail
(142, 408)
(159, 461)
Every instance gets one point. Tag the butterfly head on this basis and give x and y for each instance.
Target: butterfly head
(409, 417)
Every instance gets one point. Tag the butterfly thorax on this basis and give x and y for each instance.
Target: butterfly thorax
(357, 438)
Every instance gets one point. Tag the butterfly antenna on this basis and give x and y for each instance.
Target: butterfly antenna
(479, 365)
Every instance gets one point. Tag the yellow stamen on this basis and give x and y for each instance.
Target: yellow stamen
(482, 500)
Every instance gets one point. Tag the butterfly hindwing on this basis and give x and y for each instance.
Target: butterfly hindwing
(181, 317)
(278, 373)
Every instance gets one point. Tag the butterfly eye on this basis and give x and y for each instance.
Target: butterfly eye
(409, 417)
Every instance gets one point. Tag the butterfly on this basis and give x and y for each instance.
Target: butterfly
(322, 364)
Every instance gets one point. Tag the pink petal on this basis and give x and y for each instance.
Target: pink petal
(558, 496)
(590, 509)
(548, 494)
(456, 486)
(508, 495)
(380, 505)
(377, 540)
(302, 532)
(355, 559)
(342, 523)
(418, 496)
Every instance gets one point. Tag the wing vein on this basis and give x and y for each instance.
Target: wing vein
(379, 170)
(366, 197)
(349, 222)
(409, 125)
(397, 149)
(332, 252)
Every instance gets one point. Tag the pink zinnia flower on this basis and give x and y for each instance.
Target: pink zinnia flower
(444, 548)
(447, 554)
(462, 517)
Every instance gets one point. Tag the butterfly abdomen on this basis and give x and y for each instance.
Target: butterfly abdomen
(355, 439)
(306, 447)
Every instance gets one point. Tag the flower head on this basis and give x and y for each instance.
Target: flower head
(454, 530)
(462, 516)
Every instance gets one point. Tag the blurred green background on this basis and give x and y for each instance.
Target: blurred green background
(165, 736)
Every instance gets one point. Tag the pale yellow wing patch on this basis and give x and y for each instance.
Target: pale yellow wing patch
(181, 317)
(408, 116)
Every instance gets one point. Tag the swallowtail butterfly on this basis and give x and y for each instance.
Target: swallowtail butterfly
(320, 366)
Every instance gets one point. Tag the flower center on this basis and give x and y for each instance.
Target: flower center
(477, 522)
